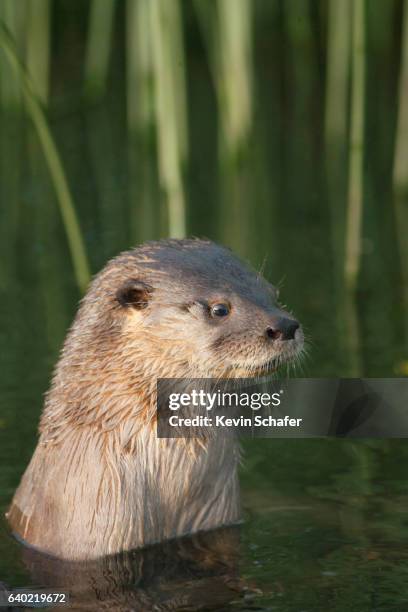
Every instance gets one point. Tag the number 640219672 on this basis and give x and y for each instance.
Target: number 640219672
(22, 597)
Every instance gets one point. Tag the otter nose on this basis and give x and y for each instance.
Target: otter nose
(282, 329)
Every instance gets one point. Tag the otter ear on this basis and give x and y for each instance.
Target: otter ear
(134, 293)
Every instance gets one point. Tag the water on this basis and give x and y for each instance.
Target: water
(325, 524)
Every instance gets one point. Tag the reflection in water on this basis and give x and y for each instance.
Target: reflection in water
(194, 573)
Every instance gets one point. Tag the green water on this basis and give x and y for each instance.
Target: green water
(326, 522)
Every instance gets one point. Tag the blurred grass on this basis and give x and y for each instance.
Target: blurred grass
(34, 110)
(98, 49)
(336, 118)
(12, 15)
(140, 70)
(227, 30)
(400, 169)
(38, 46)
(170, 107)
(356, 146)
(318, 63)
(400, 175)
(355, 203)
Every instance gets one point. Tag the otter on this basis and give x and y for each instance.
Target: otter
(100, 481)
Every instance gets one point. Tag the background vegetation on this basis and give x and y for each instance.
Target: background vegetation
(248, 121)
(277, 127)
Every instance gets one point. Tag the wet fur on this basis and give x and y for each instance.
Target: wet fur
(100, 481)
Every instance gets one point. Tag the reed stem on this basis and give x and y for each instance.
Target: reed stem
(170, 107)
(400, 171)
(12, 17)
(235, 72)
(142, 183)
(338, 56)
(139, 66)
(34, 110)
(356, 149)
(38, 47)
(98, 48)
(206, 16)
(227, 34)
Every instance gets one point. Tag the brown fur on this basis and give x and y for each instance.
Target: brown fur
(100, 481)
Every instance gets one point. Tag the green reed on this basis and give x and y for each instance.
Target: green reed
(400, 170)
(157, 104)
(96, 62)
(235, 72)
(12, 15)
(140, 109)
(37, 115)
(337, 140)
(400, 174)
(38, 32)
(170, 107)
(139, 68)
(337, 79)
(227, 30)
(356, 147)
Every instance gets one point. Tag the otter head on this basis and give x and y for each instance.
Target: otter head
(190, 308)
(168, 309)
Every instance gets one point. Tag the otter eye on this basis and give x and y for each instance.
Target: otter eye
(220, 310)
